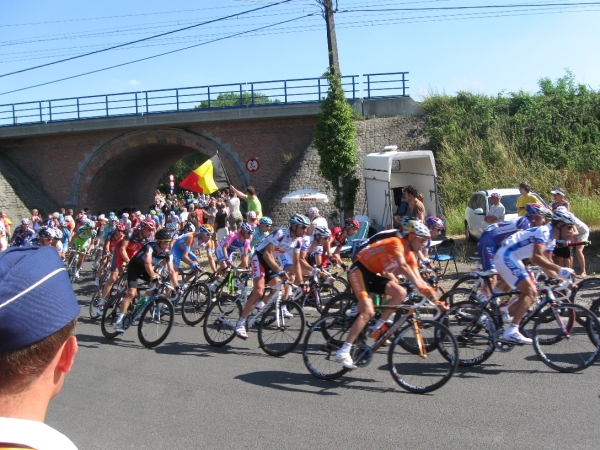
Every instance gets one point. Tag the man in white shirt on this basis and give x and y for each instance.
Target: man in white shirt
(497, 211)
(315, 220)
(37, 345)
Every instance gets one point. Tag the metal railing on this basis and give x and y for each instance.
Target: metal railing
(238, 95)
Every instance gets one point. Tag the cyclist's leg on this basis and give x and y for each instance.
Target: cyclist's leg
(397, 294)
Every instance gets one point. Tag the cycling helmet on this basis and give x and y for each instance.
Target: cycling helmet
(101, 217)
(203, 230)
(536, 209)
(407, 219)
(266, 221)
(171, 226)
(209, 227)
(322, 231)
(112, 217)
(125, 215)
(163, 235)
(247, 227)
(25, 221)
(433, 221)
(350, 222)
(417, 227)
(149, 224)
(121, 227)
(252, 215)
(93, 218)
(58, 234)
(189, 227)
(45, 232)
(87, 223)
(300, 219)
(563, 216)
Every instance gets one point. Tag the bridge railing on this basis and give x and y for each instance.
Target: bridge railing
(238, 95)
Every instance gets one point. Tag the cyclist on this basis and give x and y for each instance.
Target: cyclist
(112, 241)
(374, 272)
(142, 266)
(133, 241)
(341, 235)
(282, 242)
(436, 227)
(182, 247)
(238, 240)
(531, 244)
(261, 231)
(22, 234)
(80, 241)
(45, 236)
(313, 247)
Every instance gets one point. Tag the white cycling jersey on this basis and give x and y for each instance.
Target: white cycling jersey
(520, 245)
(282, 241)
(307, 241)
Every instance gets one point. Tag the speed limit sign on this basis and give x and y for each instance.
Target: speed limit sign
(252, 165)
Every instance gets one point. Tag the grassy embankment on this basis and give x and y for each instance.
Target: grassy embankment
(550, 139)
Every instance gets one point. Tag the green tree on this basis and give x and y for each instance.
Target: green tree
(334, 139)
(233, 99)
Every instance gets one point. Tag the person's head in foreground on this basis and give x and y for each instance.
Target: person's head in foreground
(38, 315)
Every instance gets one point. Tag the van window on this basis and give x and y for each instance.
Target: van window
(481, 202)
(510, 203)
(473, 202)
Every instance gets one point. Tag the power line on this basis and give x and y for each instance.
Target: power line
(144, 39)
(446, 8)
(156, 56)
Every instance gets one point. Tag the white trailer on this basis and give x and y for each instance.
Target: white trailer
(387, 172)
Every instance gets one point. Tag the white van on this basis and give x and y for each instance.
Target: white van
(387, 173)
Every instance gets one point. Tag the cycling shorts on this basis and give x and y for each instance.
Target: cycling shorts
(260, 269)
(135, 271)
(221, 256)
(286, 260)
(364, 281)
(487, 249)
(81, 245)
(511, 269)
(177, 255)
(562, 252)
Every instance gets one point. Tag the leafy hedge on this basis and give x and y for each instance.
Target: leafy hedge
(550, 138)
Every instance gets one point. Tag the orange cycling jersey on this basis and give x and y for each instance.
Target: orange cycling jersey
(383, 255)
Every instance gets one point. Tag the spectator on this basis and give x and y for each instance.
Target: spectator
(581, 234)
(210, 213)
(235, 215)
(315, 220)
(3, 240)
(36, 220)
(183, 215)
(37, 345)
(497, 210)
(7, 222)
(526, 197)
(251, 199)
(559, 200)
(221, 222)
(416, 207)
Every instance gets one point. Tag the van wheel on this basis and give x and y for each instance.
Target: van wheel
(468, 234)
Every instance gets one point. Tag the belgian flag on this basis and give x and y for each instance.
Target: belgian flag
(209, 177)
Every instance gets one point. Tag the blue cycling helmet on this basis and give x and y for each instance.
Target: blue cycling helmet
(265, 221)
(407, 219)
(247, 227)
(300, 219)
(433, 221)
(189, 227)
(536, 209)
(203, 230)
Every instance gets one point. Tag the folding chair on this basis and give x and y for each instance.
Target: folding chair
(444, 252)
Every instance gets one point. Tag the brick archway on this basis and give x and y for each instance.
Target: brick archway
(126, 170)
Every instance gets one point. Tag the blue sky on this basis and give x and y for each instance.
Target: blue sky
(442, 50)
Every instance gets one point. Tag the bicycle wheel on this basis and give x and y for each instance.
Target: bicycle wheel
(156, 322)
(564, 343)
(94, 303)
(455, 296)
(340, 304)
(465, 282)
(277, 335)
(326, 292)
(313, 303)
(109, 316)
(195, 302)
(318, 351)
(428, 370)
(341, 284)
(587, 292)
(220, 320)
(473, 329)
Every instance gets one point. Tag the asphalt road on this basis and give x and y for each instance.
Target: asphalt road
(186, 394)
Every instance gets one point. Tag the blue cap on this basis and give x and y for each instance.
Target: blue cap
(36, 298)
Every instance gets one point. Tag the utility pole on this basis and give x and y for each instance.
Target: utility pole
(328, 11)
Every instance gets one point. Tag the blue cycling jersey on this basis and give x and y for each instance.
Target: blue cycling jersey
(497, 232)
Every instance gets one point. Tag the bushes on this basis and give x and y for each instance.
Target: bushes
(550, 138)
